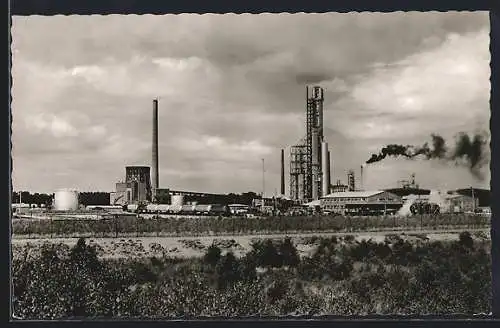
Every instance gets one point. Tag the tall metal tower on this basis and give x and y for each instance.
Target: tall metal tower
(351, 182)
(154, 161)
(305, 158)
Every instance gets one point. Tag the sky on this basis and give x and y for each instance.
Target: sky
(231, 91)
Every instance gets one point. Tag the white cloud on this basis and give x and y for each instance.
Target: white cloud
(427, 92)
(58, 127)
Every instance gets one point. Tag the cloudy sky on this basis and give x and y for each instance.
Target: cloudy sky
(232, 91)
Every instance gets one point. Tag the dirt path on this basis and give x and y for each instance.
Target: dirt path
(239, 245)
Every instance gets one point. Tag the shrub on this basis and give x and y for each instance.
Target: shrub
(62, 283)
(212, 255)
(465, 239)
(289, 253)
(266, 254)
(227, 270)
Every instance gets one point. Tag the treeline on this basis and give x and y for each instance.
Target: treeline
(103, 198)
(185, 226)
(85, 198)
(225, 199)
(340, 277)
(94, 198)
(26, 197)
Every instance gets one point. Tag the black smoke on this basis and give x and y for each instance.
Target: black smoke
(467, 151)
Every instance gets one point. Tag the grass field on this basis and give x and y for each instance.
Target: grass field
(131, 226)
(186, 247)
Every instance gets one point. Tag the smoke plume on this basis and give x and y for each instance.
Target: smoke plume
(466, 151)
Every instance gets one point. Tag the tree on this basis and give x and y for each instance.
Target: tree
(227, 270)
(465, 239)
(84, 256)
(289, 253)
(212, 255)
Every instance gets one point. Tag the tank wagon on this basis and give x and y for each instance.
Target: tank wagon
(208, 210)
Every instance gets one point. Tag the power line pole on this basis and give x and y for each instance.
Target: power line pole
(473, 200)
(263, 185)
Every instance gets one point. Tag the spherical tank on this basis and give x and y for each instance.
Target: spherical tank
(66, 200)
(177, 200)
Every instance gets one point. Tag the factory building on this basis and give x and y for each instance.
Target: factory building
(461, 203)
(339, 187)
(135, 189)
(122, 195)
(361, 203)
(139, 178)
(310, 159)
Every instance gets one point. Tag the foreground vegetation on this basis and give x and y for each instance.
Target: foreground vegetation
(341, 277)
(185, 226)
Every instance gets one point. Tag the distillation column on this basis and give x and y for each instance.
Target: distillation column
(325, 167)
(154, 164)
(315, 165)
(282, 172)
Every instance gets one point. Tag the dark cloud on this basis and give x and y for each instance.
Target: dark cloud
(467, 151)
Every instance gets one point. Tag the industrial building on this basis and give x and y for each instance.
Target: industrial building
(310, 159)
(135, 189)
(339, 187)
(361, 203)
(444, 202)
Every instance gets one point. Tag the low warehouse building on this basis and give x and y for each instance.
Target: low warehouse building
(361, 203)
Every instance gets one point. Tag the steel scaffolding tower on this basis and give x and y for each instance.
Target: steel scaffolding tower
(305, 162)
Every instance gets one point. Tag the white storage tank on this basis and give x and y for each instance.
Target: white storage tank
(66, 200)
(177, 200)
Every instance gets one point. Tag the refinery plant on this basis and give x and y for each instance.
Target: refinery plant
(310, 186)
(310, 159)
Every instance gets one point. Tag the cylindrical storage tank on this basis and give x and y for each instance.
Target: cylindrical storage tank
(66, 200)
(177, 200)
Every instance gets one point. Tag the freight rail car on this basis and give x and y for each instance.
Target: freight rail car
(209, 209)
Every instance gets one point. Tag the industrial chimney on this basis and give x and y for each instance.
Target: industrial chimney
(330, 172)
(154, 172)
(361, 182)
(325, 185)
(315, 165)
(282, 172)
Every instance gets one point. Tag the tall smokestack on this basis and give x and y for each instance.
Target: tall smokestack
(330, 171)
(324, 169)
(361, 182)
(315, 164)
(282, 172)
(154, 172)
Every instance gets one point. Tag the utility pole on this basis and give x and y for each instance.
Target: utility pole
(473, 200)
(263, 185)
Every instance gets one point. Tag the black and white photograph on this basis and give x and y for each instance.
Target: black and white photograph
(238, 166)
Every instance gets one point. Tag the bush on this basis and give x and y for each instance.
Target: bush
(289, 253)
(227, 270)
(212, 255)
(63, 283)
(465, 240)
